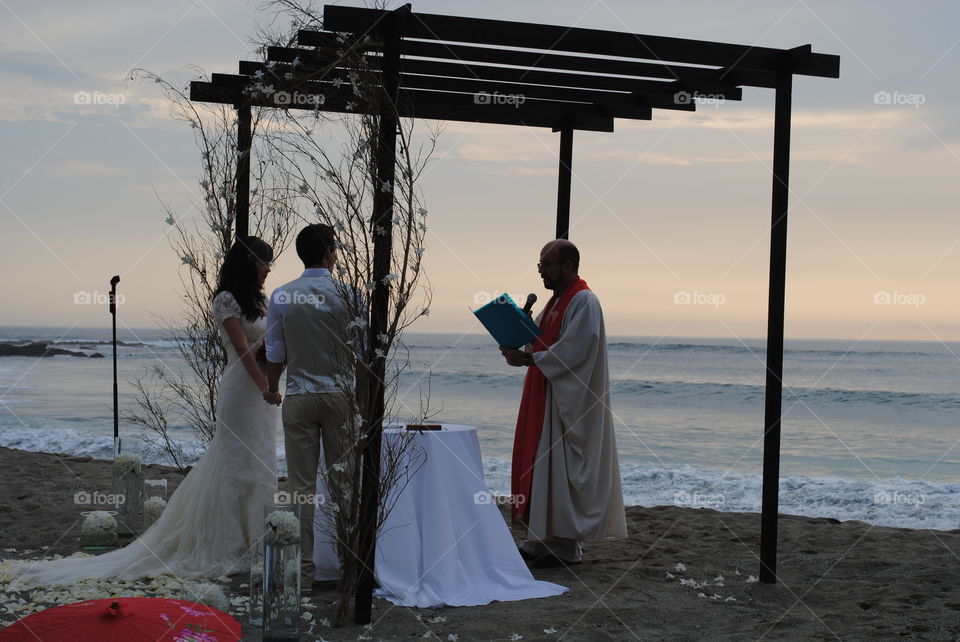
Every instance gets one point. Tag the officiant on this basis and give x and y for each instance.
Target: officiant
(565, 475)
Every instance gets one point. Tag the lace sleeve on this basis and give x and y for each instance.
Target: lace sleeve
(225, 306)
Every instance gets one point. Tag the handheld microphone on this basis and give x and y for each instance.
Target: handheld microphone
(531, 299)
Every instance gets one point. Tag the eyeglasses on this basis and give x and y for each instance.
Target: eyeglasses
(545, 265)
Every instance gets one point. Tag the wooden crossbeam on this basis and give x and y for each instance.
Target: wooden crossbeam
(539, 60)
(621, 104)
(589, 41)
(229, 89)
(550, 86)
(529, 77)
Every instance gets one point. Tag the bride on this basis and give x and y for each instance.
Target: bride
(213, 521)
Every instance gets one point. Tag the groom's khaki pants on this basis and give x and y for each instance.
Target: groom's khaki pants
(307, 419)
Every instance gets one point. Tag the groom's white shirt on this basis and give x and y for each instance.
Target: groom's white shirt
(308, 314)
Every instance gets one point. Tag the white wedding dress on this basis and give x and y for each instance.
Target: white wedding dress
(212, 522)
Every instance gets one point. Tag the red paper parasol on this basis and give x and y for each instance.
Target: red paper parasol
(125, 619)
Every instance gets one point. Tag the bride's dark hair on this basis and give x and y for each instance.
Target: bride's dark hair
(238, 275)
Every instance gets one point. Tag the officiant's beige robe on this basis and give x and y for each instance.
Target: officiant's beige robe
(576, 491)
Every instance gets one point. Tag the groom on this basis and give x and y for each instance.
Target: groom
(307, 323)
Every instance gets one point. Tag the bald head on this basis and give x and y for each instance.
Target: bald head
(561, 250)
(559, 264)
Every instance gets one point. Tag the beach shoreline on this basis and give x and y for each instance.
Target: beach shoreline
(682, 573)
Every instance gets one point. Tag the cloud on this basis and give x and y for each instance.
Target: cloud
(86, 169)
(494, 153)
(755, 119)
(509, 151)
(39, 68)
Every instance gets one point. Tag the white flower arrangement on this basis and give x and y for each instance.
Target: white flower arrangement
(99, 529)
(282, 527)
(207, 593)
(153, 508)
(127, 463)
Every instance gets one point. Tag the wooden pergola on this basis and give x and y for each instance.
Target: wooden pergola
(513, 73)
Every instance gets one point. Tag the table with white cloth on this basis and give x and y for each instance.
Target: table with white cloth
(444, 541)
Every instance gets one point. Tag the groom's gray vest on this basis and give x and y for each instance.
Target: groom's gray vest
(316, 335)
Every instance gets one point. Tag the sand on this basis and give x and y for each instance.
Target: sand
(683, 574)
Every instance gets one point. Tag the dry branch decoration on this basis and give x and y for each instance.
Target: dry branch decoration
(307, 166)
(338, 183)
(166, 398)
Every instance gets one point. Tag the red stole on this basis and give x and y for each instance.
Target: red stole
(533, 403)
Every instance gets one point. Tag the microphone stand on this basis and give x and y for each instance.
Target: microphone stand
(116, 396)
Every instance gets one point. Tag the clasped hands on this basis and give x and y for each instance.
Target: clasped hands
(273, 398)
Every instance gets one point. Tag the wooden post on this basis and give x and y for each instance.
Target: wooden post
(775, 314)
(242, 197)
(381, 226)
(563, 183)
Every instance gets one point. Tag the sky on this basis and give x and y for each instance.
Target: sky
(670, 215)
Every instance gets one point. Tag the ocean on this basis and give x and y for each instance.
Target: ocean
(871, 429)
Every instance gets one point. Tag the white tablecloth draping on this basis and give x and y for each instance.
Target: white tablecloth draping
(445, 541)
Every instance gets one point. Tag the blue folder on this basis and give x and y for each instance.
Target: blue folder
(507, 323)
